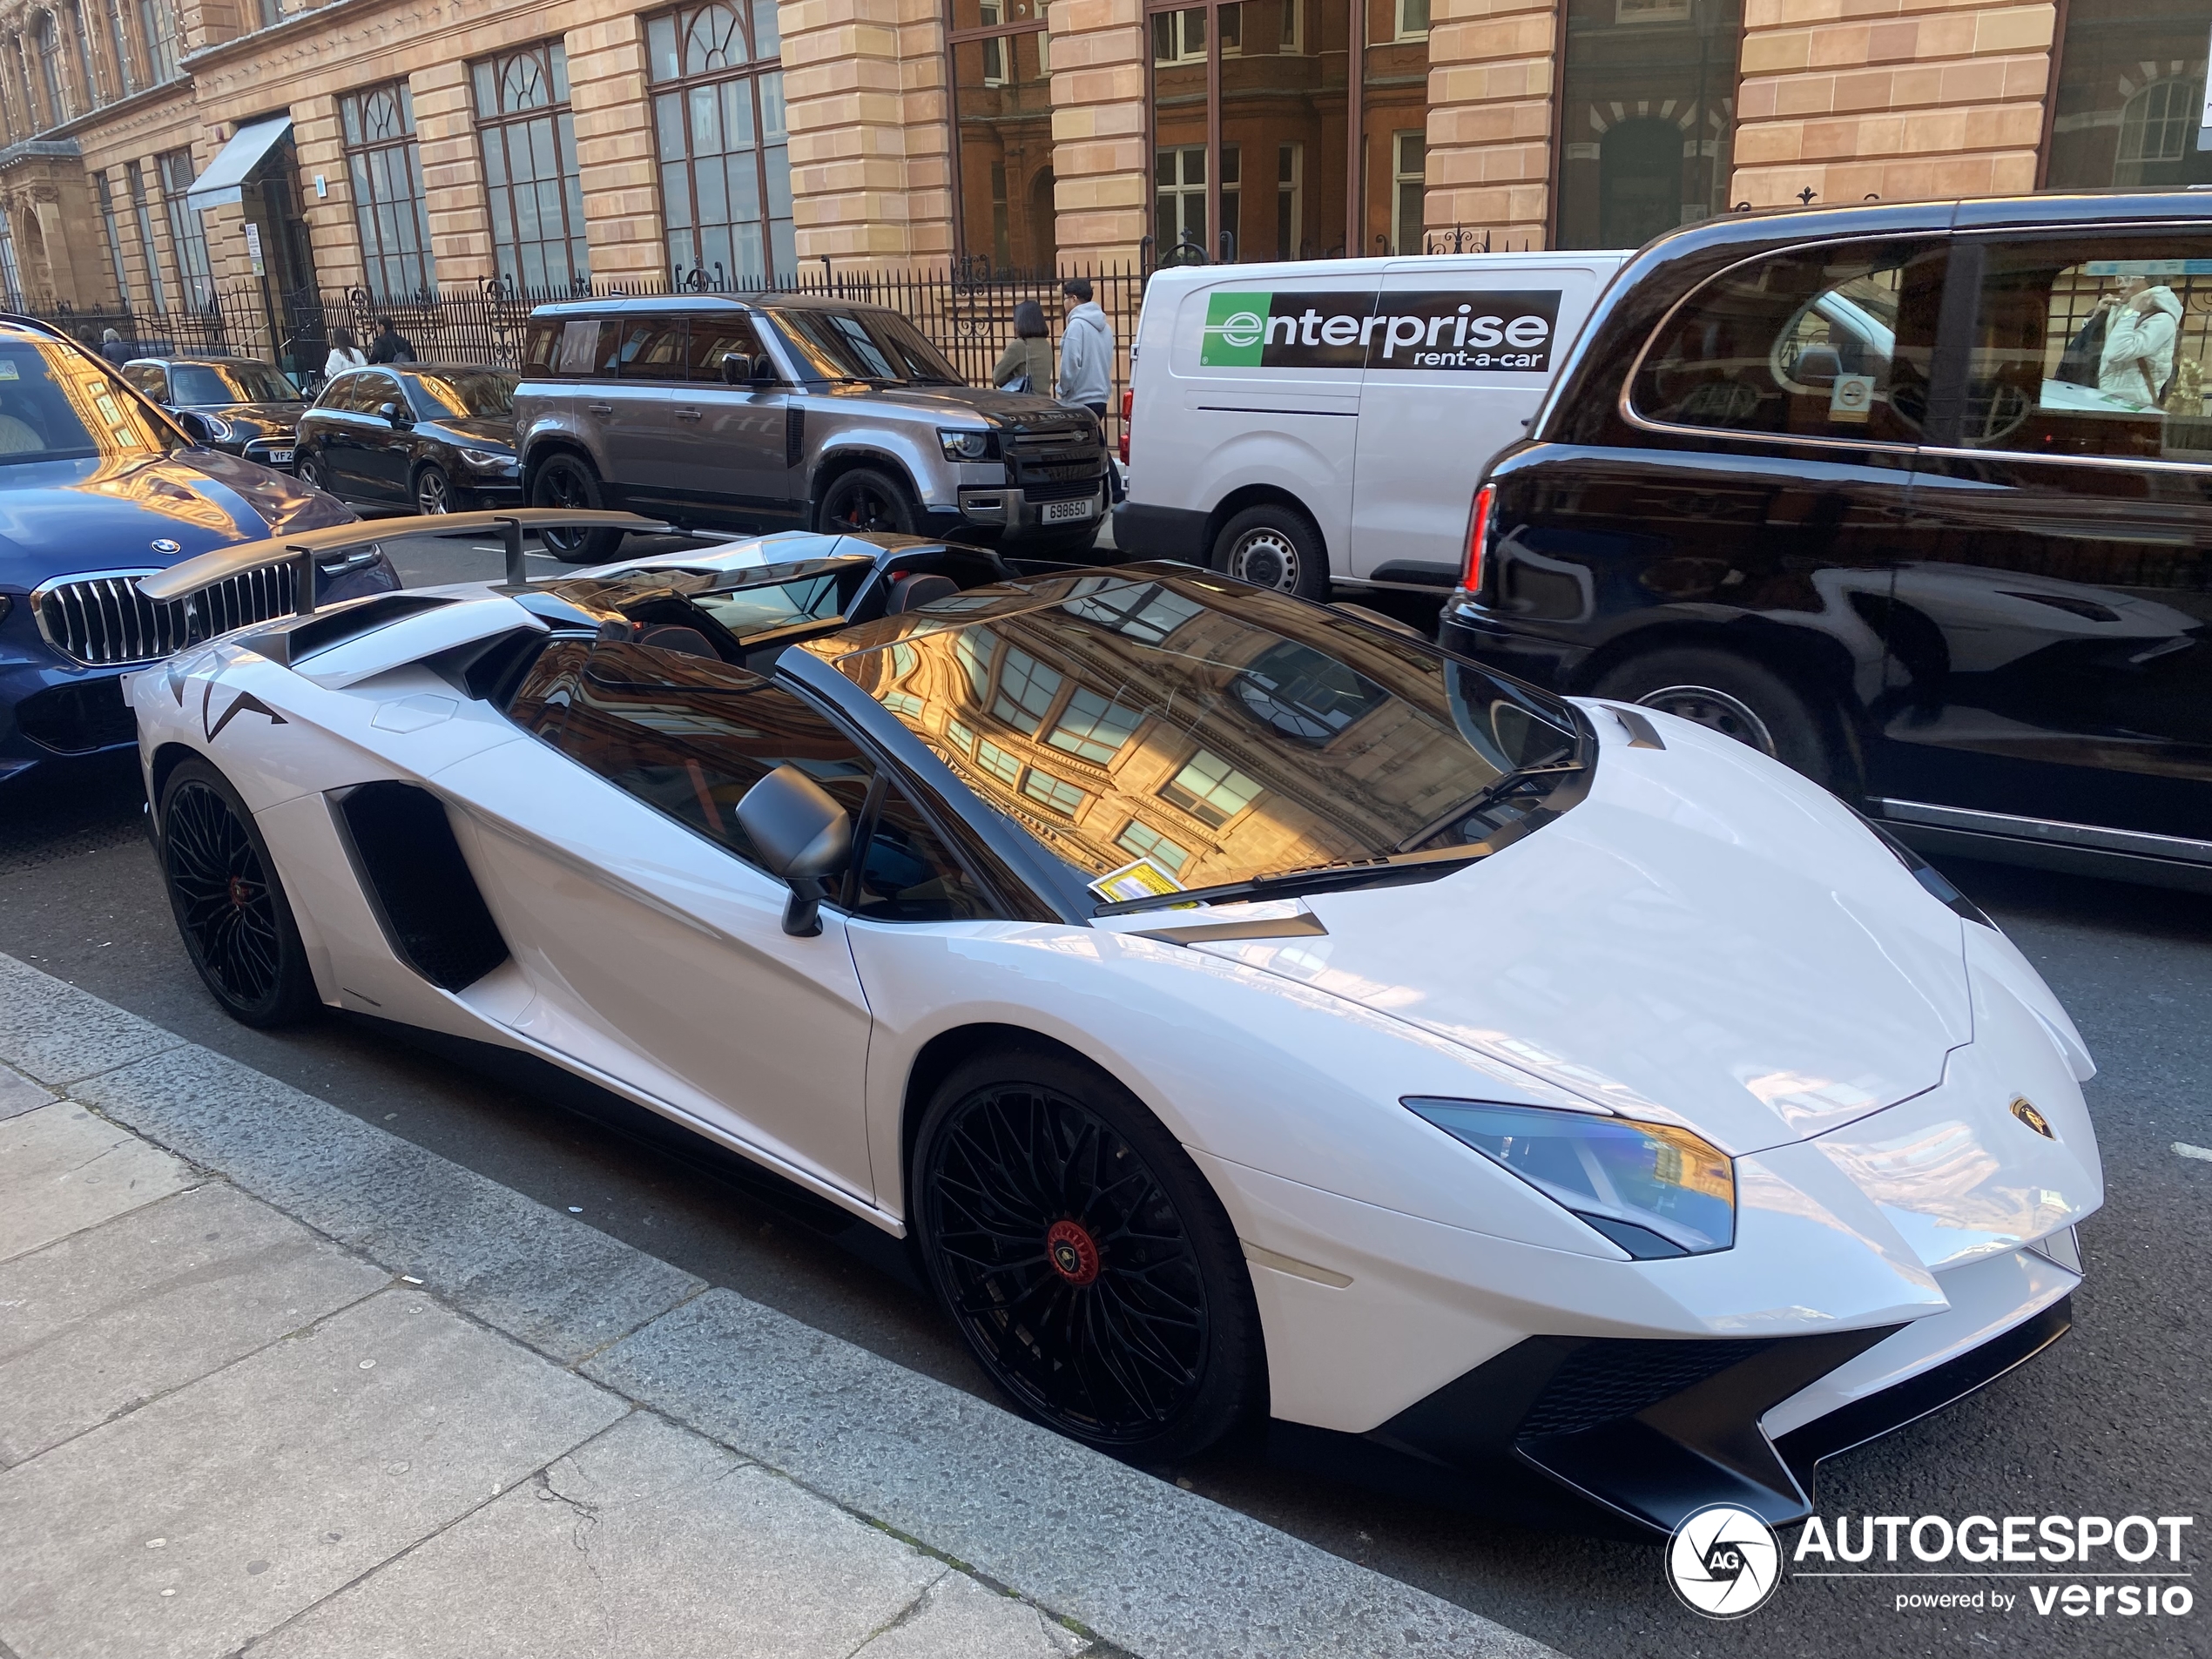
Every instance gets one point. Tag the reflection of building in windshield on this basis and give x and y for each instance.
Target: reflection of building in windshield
(1136, 722)
(130, 477)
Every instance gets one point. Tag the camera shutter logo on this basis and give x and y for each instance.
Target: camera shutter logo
(1723, 1561)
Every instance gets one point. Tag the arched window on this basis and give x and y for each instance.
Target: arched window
(2156, 127)
(52, 72)
(718, 126)
(530, 175)
(386, 169)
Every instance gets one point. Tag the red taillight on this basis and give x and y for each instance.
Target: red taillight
(1478, 539)
(1128, 398)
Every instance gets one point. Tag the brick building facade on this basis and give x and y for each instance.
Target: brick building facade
(158, 150)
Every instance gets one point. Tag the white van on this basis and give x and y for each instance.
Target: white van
(1324, 420)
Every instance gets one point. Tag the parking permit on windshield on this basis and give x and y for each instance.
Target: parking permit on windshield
(1143, 880)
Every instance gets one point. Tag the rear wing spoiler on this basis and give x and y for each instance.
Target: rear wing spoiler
(301, 550)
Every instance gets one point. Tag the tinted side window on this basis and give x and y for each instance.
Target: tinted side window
(715, 338)
(372, 392)
(587, 350)
(1818, 342)
(2094, 345)
(688, 735)
(652, 349)
(909, 874)
(540, 346)
(149, 379)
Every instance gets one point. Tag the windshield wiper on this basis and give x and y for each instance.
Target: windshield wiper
(1315, 878)
(1487, 796)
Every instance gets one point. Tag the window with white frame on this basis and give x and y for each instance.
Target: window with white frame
(53, 73)
(1180, 194)
(1412, 19)
(1408, 188)
(1290, 199)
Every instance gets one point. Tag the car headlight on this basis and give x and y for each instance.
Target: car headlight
(486, 458)
(970, 446)
(220, 429)
(1652, 1189)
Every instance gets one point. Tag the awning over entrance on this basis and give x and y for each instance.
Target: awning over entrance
(220, 185)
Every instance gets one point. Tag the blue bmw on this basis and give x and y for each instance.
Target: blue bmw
(98, 488)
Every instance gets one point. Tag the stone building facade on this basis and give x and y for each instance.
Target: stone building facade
(156, 151)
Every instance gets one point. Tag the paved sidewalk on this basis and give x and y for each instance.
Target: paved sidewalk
(272, 1380)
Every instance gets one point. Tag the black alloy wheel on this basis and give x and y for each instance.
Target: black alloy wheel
(568, 480)
(230, 908)
(308, 471)
(433, 492)
(1088, 1265)
(865, 500)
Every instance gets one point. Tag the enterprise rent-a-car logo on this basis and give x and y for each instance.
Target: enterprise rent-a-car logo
(1455, 329)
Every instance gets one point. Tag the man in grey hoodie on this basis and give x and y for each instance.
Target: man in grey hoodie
(1086, 350)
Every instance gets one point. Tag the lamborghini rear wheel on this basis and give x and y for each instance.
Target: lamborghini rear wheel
(231, 908)
(1084, 1257)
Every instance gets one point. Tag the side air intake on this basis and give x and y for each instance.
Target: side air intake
(418, 884)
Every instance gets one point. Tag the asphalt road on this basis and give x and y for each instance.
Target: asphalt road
(2112, 1421)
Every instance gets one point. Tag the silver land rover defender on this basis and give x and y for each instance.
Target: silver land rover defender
(778, 411)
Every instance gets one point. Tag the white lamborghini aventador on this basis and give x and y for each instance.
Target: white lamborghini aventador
(1246, 1010)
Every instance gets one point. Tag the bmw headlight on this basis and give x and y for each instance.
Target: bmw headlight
(1652, 1189)
(970, 446)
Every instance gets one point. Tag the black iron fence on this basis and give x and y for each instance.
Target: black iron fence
(968, 313)
(967, 309)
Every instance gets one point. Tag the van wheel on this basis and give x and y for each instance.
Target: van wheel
(1733, 696)
(568, 480)
(865, 500)
(1274, 546)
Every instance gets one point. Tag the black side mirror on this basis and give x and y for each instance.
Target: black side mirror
(737, 368)
(393, 415)
(197, 427)
(803, 836)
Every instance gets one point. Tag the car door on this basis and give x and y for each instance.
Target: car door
(729, 445)
(611, 856)
(1740, 495)
(2050, 663)
(340, 425)
(1455, 367)
(381, 447)
(650, 365)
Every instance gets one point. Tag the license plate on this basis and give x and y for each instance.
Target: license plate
(279, 457)
(1065, 512)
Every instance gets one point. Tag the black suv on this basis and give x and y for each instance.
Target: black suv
(1917, 498)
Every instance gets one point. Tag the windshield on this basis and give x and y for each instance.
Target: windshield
(866, 346)
(1212, 734)
(58, 405)
(229, 383)
(461, 393)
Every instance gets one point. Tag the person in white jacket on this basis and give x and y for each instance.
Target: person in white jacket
(2142, 324)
